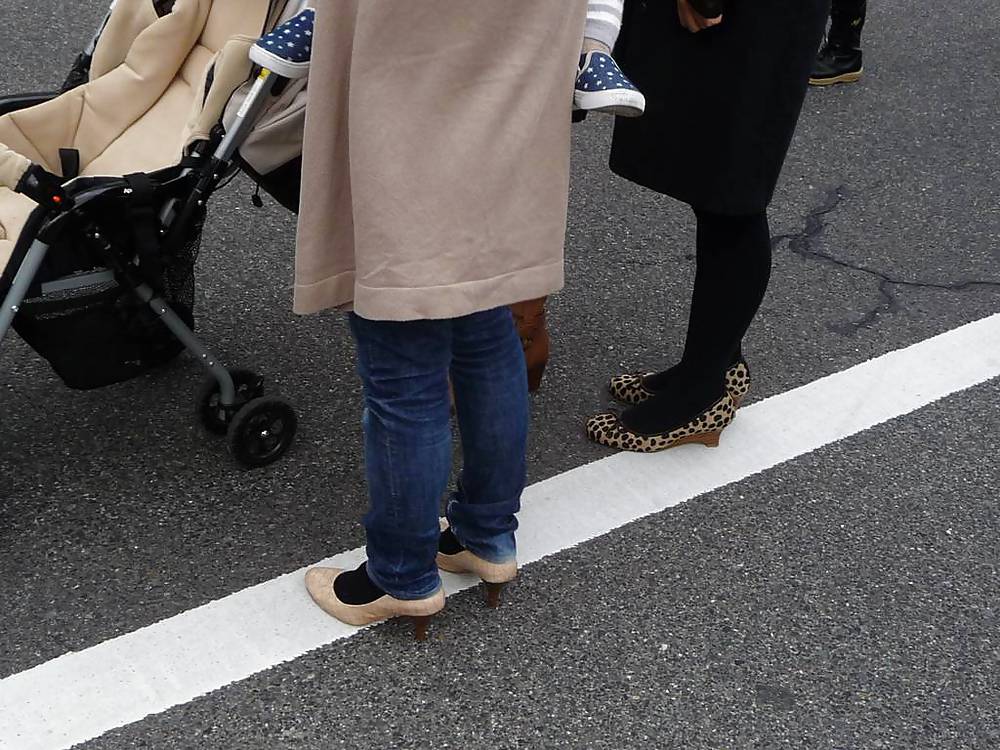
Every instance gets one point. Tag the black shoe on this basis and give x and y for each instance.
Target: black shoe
(836, 64)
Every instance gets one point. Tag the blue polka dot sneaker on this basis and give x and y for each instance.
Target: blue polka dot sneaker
(602, 87)
(288, 49)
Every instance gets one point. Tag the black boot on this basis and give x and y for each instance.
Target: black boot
(840, 59)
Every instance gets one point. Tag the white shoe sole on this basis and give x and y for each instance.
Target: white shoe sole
(621, 102)
(279, 65)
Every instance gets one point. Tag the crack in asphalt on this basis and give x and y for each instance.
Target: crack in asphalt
(801, 243)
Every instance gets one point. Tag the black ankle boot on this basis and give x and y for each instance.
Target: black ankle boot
(837, 63)
(840, 60)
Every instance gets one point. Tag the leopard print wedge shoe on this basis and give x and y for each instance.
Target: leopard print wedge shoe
(738, 382)
(631, 389)
(706, 428)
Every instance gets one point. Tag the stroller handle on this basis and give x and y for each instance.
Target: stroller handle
(35, 182)
(21, 175)
(44, 188)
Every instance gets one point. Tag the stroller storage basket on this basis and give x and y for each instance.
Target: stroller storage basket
(85, 320)
(97, 336)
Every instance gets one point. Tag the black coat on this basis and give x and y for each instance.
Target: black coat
(721, 105)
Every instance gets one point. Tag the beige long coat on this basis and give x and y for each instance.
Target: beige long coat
(436, 155)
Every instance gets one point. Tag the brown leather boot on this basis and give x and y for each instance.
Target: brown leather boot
(530, 319)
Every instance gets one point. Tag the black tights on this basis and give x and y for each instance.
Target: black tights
(734, 268)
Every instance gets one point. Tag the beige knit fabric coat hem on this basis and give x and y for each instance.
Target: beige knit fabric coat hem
(436, 155)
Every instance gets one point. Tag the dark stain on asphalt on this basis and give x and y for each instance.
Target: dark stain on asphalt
(801, 243)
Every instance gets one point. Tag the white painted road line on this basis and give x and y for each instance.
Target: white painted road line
(80, 696)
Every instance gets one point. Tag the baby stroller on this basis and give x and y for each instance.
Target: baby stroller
(104, 189)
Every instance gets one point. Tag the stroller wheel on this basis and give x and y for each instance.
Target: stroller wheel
(262, 431)
(216, 417)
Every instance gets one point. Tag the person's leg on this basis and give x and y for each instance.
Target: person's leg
(733, 273)
(404, 369)
(840, 60)
(734, 268)
(491, 400)
(847, 20)
(604, 23)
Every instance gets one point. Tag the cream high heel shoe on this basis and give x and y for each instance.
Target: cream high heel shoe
(452, 557)
(320, 583)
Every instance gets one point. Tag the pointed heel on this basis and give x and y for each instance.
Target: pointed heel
(420, 625)
(494, 592)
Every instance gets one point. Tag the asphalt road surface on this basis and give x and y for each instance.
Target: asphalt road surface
(845, 598)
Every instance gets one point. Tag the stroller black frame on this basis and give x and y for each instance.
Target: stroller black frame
(260, 428)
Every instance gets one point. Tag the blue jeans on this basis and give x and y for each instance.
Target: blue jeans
(404, 367)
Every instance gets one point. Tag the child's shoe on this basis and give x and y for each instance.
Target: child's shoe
(287, 50)
(602, 87)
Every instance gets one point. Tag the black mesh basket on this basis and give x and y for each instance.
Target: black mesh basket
(100, 333)
(177, 285)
